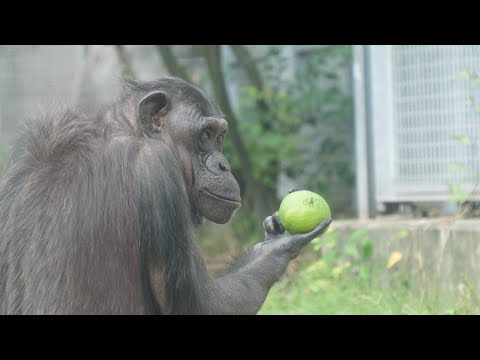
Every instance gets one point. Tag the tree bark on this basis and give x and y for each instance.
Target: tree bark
(173, 66)
(125, 63)
(247, 62)
(262, 199)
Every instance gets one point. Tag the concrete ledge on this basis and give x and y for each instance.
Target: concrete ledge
(442, 253)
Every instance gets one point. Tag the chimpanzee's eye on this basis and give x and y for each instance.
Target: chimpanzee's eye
(206, 135)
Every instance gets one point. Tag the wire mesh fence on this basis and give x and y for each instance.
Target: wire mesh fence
(436, 120)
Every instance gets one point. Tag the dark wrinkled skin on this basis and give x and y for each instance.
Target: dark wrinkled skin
(97, 215)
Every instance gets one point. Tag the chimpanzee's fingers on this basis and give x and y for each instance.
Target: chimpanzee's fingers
(268, 225)
(292, 190)
(272, 225)
(279, 229)
(300, 240)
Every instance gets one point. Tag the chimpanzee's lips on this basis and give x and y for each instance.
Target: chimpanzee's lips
(222, 198)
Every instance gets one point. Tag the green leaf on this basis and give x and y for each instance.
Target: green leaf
(367, 249)
(317, 266)
(330, 239)
(317, 243)
(463, 139)
(402, 234)
(459, 195)
(250, 91)
(330, 255)
(357, 234)
(457, 167)
(351, 247)
(319, 284)
(339, 269)
(363, 273)
(467, 74)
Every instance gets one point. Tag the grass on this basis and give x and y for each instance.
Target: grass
(334, 277)
(319, 293)
(347, 280)
(335, 298)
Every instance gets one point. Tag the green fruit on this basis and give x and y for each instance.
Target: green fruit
(301, 211)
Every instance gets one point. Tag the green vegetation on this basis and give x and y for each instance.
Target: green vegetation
(281, 121)
(316, 293)
(467, 169)
(300, 126)
(350, 281)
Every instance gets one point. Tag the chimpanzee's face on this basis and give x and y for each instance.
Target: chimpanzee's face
(194, 129)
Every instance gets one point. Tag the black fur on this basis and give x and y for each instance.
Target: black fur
(70, 218)
(96, 217)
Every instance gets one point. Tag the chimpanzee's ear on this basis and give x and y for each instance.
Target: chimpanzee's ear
(151, 110)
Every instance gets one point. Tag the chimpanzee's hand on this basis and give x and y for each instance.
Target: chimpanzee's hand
(277, 239)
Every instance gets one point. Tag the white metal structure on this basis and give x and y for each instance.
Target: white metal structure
(417, 122)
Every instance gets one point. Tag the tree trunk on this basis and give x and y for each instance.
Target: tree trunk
(247, 62)
(173, 66)
(261, 198)
(127, 68)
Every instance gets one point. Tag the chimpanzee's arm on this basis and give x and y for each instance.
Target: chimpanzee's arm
(244, 288)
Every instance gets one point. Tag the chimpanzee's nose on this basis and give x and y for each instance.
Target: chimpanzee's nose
(224, 165)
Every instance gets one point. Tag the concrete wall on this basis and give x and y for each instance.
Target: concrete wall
(439, 253)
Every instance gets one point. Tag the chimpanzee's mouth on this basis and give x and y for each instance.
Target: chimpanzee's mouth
(221, 198)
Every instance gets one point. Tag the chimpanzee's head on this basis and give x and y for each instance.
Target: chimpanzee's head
(180, 115)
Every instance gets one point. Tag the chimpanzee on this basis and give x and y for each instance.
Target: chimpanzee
(97, 214)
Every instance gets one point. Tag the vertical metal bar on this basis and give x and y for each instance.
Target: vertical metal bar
(372, 206)
(361, 152)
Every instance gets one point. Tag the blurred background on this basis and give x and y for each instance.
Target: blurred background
(389, 135)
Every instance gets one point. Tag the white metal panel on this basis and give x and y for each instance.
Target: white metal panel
(382, 120)
(419, 105)
(360, 133)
